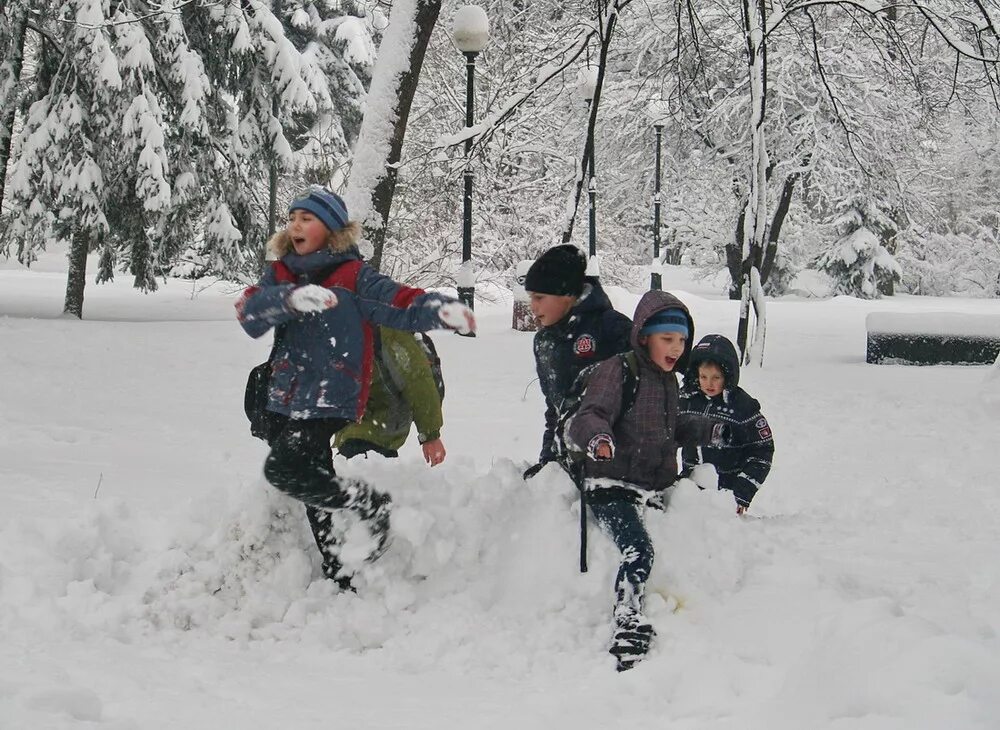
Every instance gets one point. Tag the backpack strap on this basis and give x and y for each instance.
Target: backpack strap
(630, 380)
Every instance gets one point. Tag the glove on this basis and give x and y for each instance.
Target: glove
(533, 470)
(456, 316)
(311, 298)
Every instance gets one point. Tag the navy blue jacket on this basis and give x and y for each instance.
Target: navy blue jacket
(322, 364)
(746, 461)
(592, 331)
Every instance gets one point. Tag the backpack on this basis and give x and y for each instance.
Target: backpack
(395, 383)
(567, 456)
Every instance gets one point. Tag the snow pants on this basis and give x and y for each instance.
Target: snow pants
(621, 517)
(300, 464)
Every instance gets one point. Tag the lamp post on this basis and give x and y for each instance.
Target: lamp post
(658, 111)
(471, 33)
(587, 84)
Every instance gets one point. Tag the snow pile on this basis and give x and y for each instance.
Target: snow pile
(150, 579)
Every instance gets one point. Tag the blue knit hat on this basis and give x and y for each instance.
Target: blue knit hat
(668, 320)
(325, 205)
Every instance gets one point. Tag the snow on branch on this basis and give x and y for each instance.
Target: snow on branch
(161, 9)
(934, 17)
(568, 55)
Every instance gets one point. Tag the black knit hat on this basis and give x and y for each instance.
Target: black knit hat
(560, 271)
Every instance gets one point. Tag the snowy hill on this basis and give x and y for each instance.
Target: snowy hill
(149, 578)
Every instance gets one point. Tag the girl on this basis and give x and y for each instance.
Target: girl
(321, 298)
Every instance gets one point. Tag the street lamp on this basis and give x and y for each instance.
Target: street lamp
(587, 85)
(471, 33)
(657, 111)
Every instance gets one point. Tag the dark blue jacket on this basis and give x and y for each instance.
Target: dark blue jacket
(592, 331)
(322, 364)
(746, 461)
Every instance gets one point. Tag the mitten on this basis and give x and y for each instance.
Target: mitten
(311, 298)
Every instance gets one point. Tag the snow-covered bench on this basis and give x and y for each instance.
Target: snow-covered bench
(932, 338)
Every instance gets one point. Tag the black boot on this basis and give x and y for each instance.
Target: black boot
(321, 522)
(373, 507)
(633, 632)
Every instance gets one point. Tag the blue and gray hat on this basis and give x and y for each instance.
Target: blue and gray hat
(325, 205)
(668, 320)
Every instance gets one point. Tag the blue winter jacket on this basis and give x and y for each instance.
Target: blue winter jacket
(322, 363)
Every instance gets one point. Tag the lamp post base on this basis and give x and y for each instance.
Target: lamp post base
(467, 296)
(655, 282)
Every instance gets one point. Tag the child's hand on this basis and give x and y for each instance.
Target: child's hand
(456, 316)
(601, 448)
(741, 510)
(434, 452)
(311, 298)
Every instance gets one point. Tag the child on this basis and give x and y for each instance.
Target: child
(403, 392)
(632, 455)
(323, 299)
(711, 387)
(577, 328)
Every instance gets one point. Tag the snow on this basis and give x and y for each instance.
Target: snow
(934, 323)
(149, 578)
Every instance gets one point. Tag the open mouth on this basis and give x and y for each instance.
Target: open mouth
(298, 241)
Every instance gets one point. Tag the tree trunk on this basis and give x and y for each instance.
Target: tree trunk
(754, 19)
(734, 256)
(375, 211)
(76, 277)
(780, 211)
(10, 75)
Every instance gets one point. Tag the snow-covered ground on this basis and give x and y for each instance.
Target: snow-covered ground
(149, 578)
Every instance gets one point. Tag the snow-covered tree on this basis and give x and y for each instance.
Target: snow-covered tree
(159, 131)
(857, 261)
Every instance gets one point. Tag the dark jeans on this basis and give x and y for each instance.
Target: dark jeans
(300, 464)
(621, 518)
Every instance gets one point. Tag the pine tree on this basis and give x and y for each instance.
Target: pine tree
(857, 261)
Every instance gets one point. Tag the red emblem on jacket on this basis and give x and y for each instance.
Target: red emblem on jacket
(585, 346)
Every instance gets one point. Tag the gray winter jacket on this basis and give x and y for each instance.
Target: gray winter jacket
(644, 438)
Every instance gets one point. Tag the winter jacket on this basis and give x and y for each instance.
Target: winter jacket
(745, 461)
(403, 392)
(592, 331)
(323, 360)
(644, 439)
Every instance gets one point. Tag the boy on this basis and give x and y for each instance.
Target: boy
(577, 328)
(631, 456)
(711, 387)
(403, 393)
